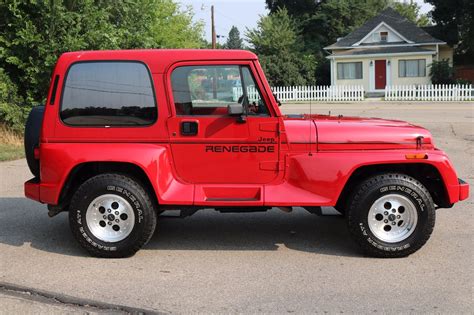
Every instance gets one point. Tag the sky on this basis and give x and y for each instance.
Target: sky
(241, 13)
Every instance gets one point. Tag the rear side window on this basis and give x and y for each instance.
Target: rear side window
(108, 94)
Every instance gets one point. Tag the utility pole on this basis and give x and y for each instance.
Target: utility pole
(214, 77)
(213, 28)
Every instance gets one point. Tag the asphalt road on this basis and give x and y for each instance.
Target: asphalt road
(270, 262)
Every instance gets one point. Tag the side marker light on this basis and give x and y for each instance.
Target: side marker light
(416, 156)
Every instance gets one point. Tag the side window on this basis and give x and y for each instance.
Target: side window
(208, 90)
(108, 94)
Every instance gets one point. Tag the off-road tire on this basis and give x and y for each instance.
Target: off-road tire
(376, 187)
(127, 188)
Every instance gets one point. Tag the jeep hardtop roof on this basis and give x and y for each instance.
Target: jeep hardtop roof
(159, 59)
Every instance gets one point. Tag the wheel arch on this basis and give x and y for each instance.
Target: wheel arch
(425, 173)
(84, 171)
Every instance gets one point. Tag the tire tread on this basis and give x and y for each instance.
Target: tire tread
(148, 229)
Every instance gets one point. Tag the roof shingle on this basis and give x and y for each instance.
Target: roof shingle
(383, 50)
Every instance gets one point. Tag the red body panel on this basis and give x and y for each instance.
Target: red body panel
(266, 161)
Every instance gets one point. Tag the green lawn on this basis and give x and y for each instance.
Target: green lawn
(11, 152)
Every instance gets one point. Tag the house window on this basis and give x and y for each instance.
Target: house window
(412, 68)
(349, 70)
(383, 36)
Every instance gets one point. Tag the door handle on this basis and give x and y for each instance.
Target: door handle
(189, 128)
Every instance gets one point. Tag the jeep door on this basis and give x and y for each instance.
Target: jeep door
(211, 146)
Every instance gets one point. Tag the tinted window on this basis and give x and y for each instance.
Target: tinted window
(108, 94)
(208, 90)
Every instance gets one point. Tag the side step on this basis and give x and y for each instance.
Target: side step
(189, 211)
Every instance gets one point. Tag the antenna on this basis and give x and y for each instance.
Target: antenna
(310, 122)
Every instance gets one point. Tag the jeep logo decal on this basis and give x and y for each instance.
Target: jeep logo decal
(240, 148)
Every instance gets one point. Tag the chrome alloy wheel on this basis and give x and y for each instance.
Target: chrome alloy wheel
(392, 218)
(110, 218)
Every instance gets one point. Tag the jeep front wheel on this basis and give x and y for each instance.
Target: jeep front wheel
(391, 215)
(111, 215)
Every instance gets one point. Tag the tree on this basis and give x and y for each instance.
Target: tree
(294, 7)
(12, 113)
(274, 33)
(411, 10)
(233, 40)
(455, 18)
(278, 45)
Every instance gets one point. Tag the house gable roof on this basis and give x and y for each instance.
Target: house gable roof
(407, 29)
(400, 36)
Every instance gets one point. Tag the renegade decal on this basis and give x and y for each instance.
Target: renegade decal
(240, 148)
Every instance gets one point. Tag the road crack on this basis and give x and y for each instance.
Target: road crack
(452, 130)
(68, 301)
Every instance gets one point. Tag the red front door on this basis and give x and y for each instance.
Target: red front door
(212, 147)
(380, 74)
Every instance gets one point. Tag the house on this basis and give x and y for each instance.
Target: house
(387, 50)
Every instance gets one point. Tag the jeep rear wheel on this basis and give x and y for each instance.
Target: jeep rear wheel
(391, 215)
(111, 215)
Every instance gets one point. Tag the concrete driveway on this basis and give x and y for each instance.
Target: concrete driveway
(270, 262)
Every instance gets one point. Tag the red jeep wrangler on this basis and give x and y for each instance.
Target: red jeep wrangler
(125, 135)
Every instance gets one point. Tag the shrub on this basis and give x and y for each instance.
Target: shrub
(13, 112)
(463, 81)
(441, 72)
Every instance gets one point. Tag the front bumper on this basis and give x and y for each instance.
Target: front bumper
(463, 190)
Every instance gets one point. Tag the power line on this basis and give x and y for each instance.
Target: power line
(227, 17)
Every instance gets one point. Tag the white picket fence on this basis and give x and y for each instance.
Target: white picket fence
(308, 93)
(252, 94)
(441, 92)
(319, 93)
(341, 93)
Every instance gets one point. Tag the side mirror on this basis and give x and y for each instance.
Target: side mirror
(235, 109)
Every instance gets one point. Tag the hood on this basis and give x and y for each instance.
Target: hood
(356, 133)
